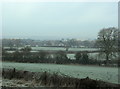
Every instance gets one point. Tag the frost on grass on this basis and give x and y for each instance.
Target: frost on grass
(107, 74)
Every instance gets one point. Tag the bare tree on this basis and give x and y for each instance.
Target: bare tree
(108, 41)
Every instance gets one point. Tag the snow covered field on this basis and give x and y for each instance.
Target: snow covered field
(109, 74)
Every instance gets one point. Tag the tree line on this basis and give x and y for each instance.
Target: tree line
(107, 41)
(59, 57)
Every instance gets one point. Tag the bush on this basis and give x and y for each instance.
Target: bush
(82, 58)
(61, 57)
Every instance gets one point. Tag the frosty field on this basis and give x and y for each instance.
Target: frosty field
(59, 48)
(109, 74)
(63, 48)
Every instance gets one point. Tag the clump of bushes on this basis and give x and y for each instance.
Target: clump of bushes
(25, 55)
(60, 57)
(83, 58)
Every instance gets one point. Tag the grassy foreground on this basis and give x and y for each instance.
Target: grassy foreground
(55, 81)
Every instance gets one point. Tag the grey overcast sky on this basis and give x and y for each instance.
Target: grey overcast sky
(56, 20)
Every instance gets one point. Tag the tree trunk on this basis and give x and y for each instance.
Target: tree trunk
(107, 58)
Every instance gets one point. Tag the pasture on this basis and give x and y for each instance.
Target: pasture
(108, 74)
